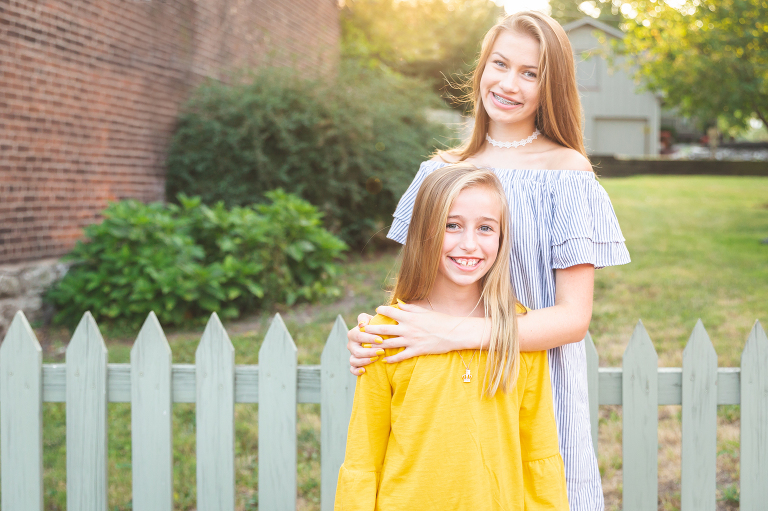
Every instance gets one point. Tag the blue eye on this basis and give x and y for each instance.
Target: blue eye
(530, 74)
(499, 63)
(451, 226)
(486, 228)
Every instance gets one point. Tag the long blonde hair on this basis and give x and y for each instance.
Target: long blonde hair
(559, 113)
(421, 259)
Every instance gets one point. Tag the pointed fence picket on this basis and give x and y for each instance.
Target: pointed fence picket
(86, 381)
(640, 441)
(215, 420)
(699, 423)
(277, 419)
(151, 419)
(21, 418)
(152, 384)
(754, 421)
(337, 390)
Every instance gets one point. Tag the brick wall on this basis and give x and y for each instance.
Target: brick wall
(90, 89)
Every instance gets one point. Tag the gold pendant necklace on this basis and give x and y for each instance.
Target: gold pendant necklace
(467, 376)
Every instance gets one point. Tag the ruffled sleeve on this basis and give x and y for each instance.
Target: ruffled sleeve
(585, 229)
(402, 216)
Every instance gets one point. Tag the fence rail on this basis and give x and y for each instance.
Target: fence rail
(151, 383)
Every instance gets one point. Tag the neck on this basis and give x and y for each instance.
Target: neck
(459, 301)
(511, 132)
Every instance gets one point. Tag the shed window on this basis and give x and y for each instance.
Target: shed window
(588, 70)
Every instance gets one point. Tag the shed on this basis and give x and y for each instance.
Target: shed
(618, 120)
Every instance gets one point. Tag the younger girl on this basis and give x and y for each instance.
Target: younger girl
(465, 430)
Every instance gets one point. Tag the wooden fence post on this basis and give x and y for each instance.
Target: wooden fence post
(699, 459)
(593, 389)
(215, 417)
(151, 419)
(21, 418)
(87, 418)
(277, 419)
(754, 421)
(337, 391)
(640, 438)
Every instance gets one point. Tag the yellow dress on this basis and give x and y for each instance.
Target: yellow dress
(422, 439)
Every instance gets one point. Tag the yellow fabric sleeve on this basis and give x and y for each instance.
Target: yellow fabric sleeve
(367, 438)
(543, 469)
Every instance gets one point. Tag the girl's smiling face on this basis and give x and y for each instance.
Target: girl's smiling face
(472, 236)
(509, 85)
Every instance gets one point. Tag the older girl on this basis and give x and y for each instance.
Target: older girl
(528, 129)
(465, 430)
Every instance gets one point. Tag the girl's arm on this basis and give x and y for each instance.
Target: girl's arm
(543, 470)
(367, 440)
(424, 332)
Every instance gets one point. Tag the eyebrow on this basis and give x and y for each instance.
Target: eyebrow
(505, 58)
(486, 218)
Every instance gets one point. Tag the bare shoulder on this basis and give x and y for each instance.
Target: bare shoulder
(445, 157)
(565, 158)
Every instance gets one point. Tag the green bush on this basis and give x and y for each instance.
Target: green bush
(186, 261)
(350, 145)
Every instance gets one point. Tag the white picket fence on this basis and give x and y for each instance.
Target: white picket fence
(151, 383)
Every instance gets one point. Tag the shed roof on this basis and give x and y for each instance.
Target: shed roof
(599, 25)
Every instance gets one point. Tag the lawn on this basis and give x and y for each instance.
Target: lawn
(696, 253)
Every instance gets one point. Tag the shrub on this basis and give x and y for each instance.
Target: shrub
(186, 261)
(349, 145)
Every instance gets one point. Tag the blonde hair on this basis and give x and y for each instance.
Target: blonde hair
(421, 259)
(559, 114)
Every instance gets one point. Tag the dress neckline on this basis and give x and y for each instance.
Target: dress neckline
(527, 171)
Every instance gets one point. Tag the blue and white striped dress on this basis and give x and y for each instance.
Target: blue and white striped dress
(558, 219)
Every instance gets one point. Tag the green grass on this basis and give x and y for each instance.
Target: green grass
(696, 253)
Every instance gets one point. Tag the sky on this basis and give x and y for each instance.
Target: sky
(512, 6)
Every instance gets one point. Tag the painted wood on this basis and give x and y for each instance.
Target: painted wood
(670, 385)
(183, 382)
(87, 418)
(215, 377)
(247, 385)
(277, 419)
(21, 418)
(337, 393)
(754, 421)
(699, 458)
(593, 387)
(151, 419)
(640, 441)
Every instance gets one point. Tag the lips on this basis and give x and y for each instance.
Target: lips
(504, 101)
(466, 263)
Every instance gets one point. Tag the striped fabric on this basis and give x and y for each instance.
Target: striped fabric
(559, 218)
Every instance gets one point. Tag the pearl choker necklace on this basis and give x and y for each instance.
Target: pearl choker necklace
(508, 145)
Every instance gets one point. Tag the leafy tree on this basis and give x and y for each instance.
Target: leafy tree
(427, 39)
(708, 57)
(566, 11)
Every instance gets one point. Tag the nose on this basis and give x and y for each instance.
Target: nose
(468, 241)
(509, 82)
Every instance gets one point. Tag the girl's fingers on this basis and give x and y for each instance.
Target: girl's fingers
(392, 312)
(378, 330)
(399, 357)
(363, 319)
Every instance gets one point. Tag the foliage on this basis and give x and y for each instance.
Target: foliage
(606, 11)
(428, 39)
(186, 261)
(709, 58)
(348, 144)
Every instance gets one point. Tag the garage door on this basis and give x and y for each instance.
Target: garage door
(627, 137)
